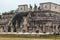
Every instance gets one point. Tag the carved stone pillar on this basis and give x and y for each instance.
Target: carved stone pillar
(0, 29)
(25, 24)
(44, 28)
(56, 28)
(53, 28)
(11, 29)
(4, 28)
(41, 28)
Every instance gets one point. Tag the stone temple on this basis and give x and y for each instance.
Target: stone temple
(44, 19)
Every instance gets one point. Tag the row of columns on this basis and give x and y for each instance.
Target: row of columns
(44, 28)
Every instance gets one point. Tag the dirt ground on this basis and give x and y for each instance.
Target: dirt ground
(25, 39)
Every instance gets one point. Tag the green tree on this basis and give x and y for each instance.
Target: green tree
(0, 16)
(35, 7)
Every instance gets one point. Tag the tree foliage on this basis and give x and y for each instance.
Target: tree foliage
(18, 18)
(7, 13)
(0, 16)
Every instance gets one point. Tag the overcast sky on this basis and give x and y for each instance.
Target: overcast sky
(7, 5)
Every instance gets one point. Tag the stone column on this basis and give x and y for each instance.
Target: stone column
(48, 29)
(53, 28)
(59, 29)
(11, 29)
(43, 28)
(0, 29)
(56, 28)
(25, 23)
(40, 29)
(4, 28)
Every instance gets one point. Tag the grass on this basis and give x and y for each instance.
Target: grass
(30, 36)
